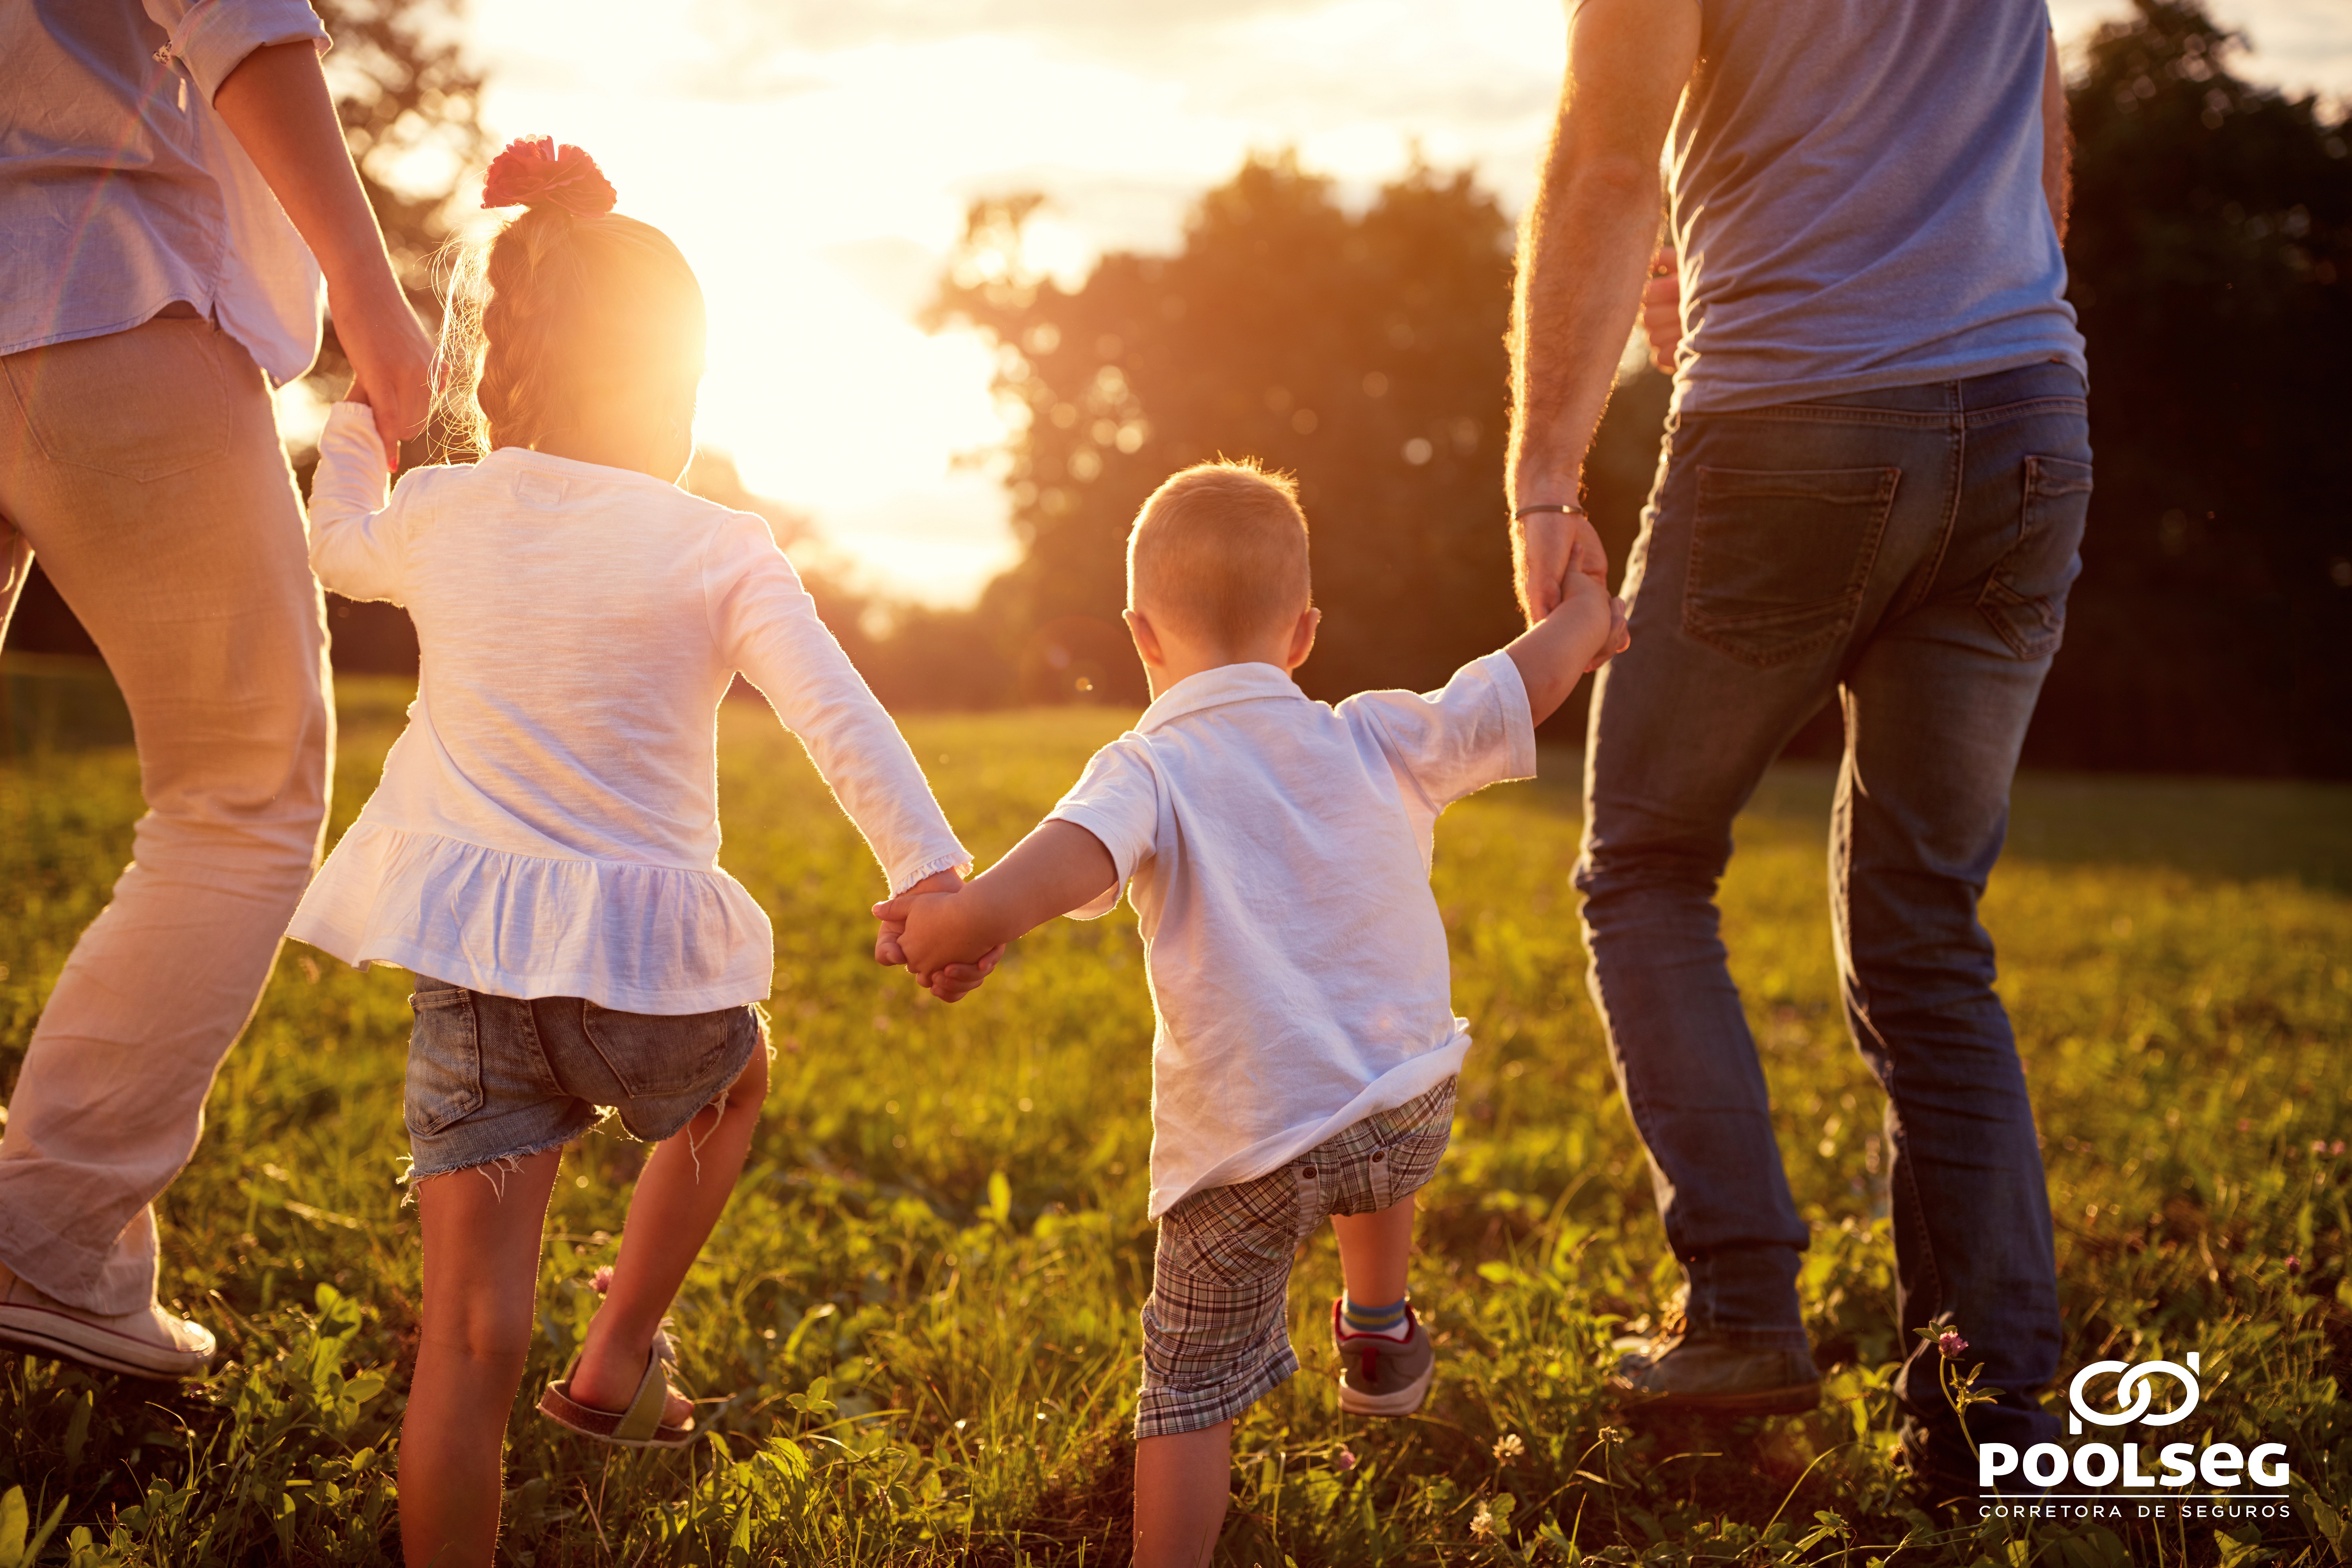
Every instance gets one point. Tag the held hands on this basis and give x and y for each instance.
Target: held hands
(1581, 588)
(1558, 559)
(918, 929)
(392, 365)
(1545, 547)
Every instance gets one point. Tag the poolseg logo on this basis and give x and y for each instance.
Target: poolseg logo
(2148, 1479)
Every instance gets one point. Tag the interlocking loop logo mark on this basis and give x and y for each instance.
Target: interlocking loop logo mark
(2133, 1393)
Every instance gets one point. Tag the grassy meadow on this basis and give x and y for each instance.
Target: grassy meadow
(915, 1329)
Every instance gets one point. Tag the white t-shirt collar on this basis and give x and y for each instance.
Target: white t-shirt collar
(1214, 688)
(524, 457)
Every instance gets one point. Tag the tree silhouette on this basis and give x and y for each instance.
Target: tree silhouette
(2211, 260)
(1362, 352)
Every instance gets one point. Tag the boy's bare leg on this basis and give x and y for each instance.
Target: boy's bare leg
(482, 1237)
(1375, 1252)
(678, 1202)
(1182, 1485)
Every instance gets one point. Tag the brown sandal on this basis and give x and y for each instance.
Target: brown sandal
(638, 1427)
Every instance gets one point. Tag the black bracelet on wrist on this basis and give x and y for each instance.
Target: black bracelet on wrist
(1548, 506)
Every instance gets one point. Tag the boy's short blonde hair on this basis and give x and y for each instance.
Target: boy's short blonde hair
(1220, 550)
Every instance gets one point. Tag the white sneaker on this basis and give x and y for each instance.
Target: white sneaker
(150, 1343)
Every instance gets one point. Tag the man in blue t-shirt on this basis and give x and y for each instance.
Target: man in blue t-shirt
(1873, 487)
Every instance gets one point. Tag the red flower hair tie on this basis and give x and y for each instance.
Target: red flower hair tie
(539, 171)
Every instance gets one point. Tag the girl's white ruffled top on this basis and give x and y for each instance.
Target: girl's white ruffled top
(547, 825)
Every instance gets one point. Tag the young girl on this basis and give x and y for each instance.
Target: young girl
(542, 851)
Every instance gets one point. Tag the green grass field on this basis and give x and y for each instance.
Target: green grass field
(917, 1321)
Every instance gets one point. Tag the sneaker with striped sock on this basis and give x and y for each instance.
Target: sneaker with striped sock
(1381, 1375)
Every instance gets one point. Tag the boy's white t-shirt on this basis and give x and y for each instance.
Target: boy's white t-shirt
(1277, 852)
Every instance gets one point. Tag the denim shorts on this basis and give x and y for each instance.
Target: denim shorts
(494, 1077)
(1216, 1334)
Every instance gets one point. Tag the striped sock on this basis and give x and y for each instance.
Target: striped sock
(1387, 1321)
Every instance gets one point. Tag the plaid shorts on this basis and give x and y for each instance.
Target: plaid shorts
(1216, 1334)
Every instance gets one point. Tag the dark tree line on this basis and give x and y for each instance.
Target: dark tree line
(2211, 264)
(1363, 352)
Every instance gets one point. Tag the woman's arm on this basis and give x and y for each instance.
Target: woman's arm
(276, 105)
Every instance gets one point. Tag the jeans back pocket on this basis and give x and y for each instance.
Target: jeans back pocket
(2025, 596)
(1779, 560)
(655, 1054)
(445, 1059)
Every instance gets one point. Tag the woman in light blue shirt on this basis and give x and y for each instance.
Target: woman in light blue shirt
(175, 191)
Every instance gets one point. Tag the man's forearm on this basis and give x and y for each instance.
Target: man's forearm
(1586, 244)
(1582, 256)
(276, 105)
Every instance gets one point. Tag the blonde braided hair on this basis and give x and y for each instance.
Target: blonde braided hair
(553, 310)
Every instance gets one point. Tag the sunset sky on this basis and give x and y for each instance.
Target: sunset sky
(813, 160)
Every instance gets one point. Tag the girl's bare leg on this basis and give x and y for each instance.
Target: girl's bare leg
(679, 1198)
(1181, 1485)
(482, 1237)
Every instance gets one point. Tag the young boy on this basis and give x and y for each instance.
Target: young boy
(1276, 851)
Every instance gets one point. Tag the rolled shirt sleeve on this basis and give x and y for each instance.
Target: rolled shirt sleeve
(212, 38)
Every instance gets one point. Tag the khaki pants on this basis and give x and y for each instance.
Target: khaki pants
(144, 468)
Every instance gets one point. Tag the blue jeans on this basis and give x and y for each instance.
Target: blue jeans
(1910, 550)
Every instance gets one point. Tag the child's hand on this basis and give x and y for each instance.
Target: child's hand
(1581, 587)
(911, 934)
(934, 936)
(1582, 631)
(1619, 639)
